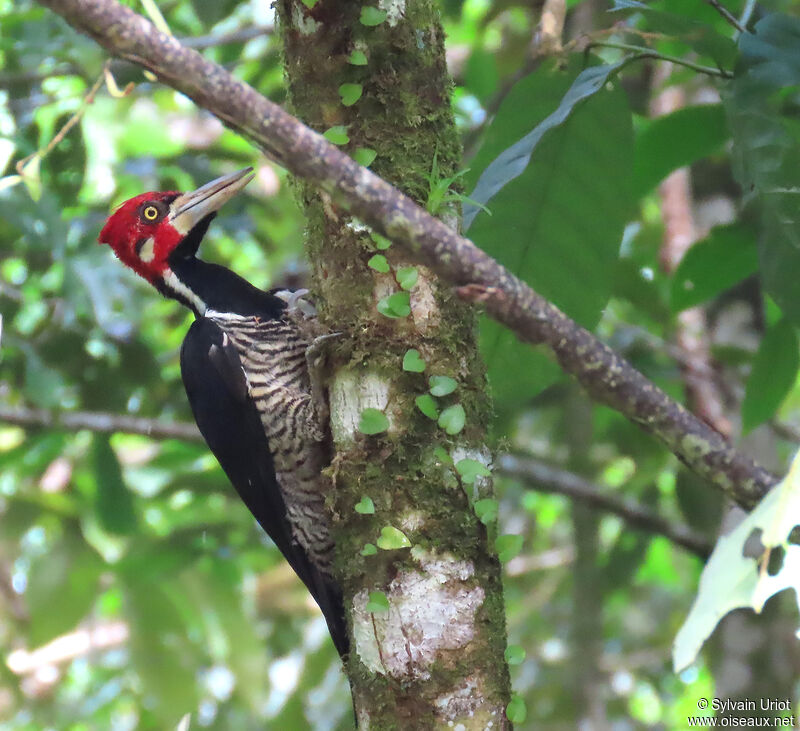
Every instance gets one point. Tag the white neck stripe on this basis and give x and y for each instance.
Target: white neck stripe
(172, 282)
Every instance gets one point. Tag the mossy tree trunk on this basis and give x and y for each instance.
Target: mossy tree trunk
(434, 658)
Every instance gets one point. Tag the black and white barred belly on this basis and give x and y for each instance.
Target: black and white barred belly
(273, 357)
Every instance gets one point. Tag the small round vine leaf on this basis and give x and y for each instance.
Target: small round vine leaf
(337, 135)
(442, 385)
(365, 506)
(452, 419)
(469, 469)
(396, 305)
(372, 16)
(392, 538)
(370, 549)
(508, 546)
(486, 510)
(381, 242)
(377, 602)
(378, 263)
(514, 655)
(516, 711)
(427, 406)
(407, 277)
(412, 362)
(357, 58)
(350, 93)
(365, 156)
(373, 421)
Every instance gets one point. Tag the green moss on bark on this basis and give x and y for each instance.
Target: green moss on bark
(404, 114)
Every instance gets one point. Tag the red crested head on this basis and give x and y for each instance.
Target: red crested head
(146, 231)
(142, 235)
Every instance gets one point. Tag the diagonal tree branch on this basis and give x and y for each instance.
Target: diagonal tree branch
(546, 478)
(607, 377)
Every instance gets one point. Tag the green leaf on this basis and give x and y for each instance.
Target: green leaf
(442, 385)
(427, 406)
(508, 546)
(365, 506)
(370, 549)
(157, 621)
(372, 16)
(516, 711)
(570, 259)
(396, 305)
(486, 510)
(113, 500)
(62, 587)
(337, 135)
(379, 263)
(211, 13)
(373, 421)
(407, 277)
(511, 163)
(714, 265)
(773, 375)
(452, 419)
(378, 602)
(31, 177)
(392, 539)
(766, 149)
(515, 655)
(350, 93)
(381, 242)
(364, 156)
(469, 469)
(443, 455)
(413, 362)
(357, 58)
(675, 140)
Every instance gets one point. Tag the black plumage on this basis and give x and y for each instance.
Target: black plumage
(231, 425)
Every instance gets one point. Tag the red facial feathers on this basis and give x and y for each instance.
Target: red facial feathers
(141, 235)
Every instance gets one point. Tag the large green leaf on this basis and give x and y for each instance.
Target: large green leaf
(761, 104)
(62, 586)
(513, 160)
(674, 140)
(161, 651)
(559, 224)
(773, 375)
(113, 501)
(726, 257)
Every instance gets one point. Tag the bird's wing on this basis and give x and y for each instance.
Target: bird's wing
(229, 421)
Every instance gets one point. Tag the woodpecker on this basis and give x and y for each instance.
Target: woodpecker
(245, 368)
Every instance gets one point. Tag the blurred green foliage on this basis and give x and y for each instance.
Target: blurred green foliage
(140, 542)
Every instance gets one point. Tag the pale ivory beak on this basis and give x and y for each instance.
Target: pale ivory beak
(191, 208)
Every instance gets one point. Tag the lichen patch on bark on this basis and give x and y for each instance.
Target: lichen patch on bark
(430, 615)
(350, 393)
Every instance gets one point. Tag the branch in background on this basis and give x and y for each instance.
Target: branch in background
(545, 478)
(680, 234)
(608, 378)
(241, 35)
(99, 422)
(725, 13)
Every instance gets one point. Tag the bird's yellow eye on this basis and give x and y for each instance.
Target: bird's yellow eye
(150, 213)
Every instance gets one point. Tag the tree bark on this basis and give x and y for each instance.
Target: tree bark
(435, 658)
